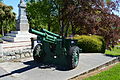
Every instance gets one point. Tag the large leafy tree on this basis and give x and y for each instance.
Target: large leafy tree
(43, 13)
(7, 18)
(78, 17)
(92, 17)
(1, 0)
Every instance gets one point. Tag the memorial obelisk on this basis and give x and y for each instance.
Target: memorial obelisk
(22, 23)
(22, 26)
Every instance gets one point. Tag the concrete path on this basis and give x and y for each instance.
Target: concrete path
(26, 69)
(9, 77)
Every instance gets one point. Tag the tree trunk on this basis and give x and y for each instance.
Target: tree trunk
(73, 30)
(66, 32)
(49, 24)
(2, 31)
(61, 28)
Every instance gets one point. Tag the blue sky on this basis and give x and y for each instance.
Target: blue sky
(15, 3)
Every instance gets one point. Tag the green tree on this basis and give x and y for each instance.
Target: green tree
(44, 13)
(92, 17)
(1, 0)
(7, 18)
(78, 17)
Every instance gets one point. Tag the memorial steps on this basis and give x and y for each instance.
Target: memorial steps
(19, 39)
(18, 36)
(10, 46)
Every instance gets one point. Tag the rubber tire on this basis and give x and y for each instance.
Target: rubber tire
(72, 61)
(38, 55)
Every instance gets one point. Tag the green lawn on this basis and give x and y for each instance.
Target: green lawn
(113, 52)
(118, 44)
(111, 74)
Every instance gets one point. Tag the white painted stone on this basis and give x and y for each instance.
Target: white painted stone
(1, 49)
(19, 32)
(22, 27)
(19, 39)
(21, 35)
(22, 24)
(17, 44)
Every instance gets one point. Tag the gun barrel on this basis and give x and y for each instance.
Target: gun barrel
(50, 33)
(36, 32)
(45, 36)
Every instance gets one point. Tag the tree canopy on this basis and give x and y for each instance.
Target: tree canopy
(1, 0)
(93, 17)
(43, 14)
(83, 17)
(7, 18)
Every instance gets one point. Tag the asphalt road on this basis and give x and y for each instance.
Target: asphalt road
(26, 69)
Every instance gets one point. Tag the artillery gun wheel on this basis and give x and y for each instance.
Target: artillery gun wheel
(73, 57)
(38, 55)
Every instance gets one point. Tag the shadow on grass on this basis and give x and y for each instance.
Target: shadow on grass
(111, 55)
(32, 64)
(118, 56)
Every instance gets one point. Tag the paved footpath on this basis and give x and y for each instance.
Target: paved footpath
(26, 69)
(9, 77)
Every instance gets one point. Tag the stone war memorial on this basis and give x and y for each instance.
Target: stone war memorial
(19, 40)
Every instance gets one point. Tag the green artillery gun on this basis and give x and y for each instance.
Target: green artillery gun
(55, 49)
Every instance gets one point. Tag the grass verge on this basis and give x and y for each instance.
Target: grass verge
(118, 44)
(114, 52)
(111, 74)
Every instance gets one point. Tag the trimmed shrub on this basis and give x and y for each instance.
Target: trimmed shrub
(1, 41)
(103, 42)
(90, 44)
(0, 35)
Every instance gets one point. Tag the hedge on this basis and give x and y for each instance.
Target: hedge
(91, 44)
(1, 36)
(1, 41)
